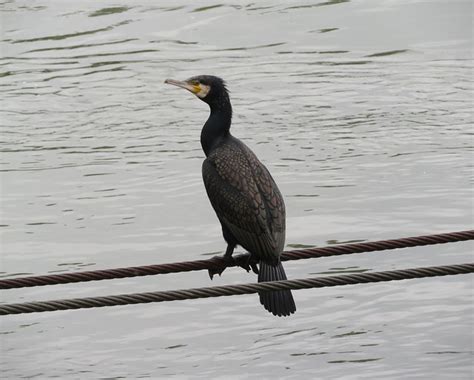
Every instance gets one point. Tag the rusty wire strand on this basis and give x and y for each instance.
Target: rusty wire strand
(230, 290)
(217, 263)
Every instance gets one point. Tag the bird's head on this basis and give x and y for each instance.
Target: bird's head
(208, 88)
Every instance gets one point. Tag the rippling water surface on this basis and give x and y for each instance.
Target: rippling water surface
(362, 110)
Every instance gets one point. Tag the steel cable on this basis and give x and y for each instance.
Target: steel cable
(230, 290)
(217, 263)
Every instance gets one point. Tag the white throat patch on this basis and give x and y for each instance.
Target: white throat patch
(204, 91)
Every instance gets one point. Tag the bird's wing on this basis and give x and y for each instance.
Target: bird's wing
(246, 199)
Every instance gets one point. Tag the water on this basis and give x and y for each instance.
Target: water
(362, 111)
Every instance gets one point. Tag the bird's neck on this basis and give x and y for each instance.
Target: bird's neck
(217, 126)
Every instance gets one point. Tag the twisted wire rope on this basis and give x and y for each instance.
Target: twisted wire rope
(217, 263)
(230, 290)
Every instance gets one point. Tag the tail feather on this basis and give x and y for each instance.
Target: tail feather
(279, 302)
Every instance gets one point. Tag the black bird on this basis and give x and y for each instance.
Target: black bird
(242, 192)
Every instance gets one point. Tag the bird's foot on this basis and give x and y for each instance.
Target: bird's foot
(248, 262)
(227, 261)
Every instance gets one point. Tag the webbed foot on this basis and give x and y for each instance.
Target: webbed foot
(228, 261)
(248, 262)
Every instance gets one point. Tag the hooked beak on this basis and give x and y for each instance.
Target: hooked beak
(183, 84)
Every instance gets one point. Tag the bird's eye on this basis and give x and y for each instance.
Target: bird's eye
(194, 82)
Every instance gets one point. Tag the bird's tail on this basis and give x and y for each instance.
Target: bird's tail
(278, 302)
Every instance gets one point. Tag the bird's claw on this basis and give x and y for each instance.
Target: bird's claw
(254, 266)
(213, 271)
(247, 262)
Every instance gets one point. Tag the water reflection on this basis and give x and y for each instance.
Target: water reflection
(108, 11)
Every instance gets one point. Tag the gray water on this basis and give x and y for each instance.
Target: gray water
(362, 111)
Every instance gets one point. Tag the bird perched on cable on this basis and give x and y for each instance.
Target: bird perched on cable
(242, 192)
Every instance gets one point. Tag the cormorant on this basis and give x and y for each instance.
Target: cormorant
(242, 192)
